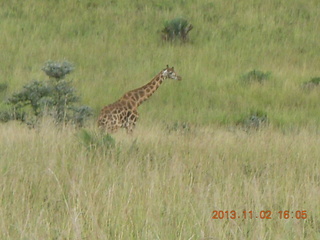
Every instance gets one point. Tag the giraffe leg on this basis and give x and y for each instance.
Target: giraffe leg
(131, 121)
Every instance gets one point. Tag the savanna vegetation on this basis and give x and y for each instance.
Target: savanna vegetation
(239, 133)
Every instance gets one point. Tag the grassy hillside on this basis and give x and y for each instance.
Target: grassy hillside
(188, 156)
(116, 47)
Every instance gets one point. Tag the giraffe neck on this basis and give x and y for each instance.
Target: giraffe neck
(141, 94)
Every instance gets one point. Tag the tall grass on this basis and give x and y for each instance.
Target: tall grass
(157, 186)
(187, 157)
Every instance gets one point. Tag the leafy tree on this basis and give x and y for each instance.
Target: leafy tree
(55, 97)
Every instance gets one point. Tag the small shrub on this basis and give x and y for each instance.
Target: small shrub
(177, 28)
(31, 95)
(255, 76)
(55, 97)
(6, 116)
(80, 114)
(94, 141)
(315, 80)
(312, 83)
(3, 90)
(3, 87)
(255, 120)
(178, 127)
(60, 103)
(57, 70)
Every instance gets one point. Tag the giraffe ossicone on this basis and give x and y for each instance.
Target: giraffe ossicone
(123, 113)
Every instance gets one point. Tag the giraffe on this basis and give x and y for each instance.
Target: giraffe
(123, 113)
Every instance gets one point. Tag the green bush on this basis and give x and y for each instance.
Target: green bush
(55, 97)
(178, 127)
(3, 90)
(94, 141)
(255, 76)
(57, 70)
(177, 28)
(312, 83)
(3, 87)
(254, 120)
(6, 116)
(33, 95)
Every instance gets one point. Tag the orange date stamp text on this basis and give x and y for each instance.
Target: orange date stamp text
(264, 214)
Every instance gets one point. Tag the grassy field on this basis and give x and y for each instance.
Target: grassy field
(159, 184)
(189, 155)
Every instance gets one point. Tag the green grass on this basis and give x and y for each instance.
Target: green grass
(187, 156)
(116, 47)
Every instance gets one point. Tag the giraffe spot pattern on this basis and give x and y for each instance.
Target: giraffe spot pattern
(123, 113)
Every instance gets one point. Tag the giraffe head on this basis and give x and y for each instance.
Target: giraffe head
(170, 73)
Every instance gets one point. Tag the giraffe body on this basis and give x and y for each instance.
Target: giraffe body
(123, 113)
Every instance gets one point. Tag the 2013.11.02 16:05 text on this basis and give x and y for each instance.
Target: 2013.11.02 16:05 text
(264, 214)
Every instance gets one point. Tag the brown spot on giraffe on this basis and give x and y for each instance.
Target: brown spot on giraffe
(136, 96)
(123, 113)
(141, 93)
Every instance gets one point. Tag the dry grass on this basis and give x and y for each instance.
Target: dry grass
(157, 185)
(165, 180)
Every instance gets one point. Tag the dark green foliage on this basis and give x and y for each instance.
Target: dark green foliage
(315, 80)
(80, 114)
(255, 76)
(61, 100)
(32, 95)
(312, 83)
(3, 90)
(179, 127)
(3, 87)
(177, 28)
(254, 120)
(57, 70)
(6, 116)
(55, 97)
(94, 141)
